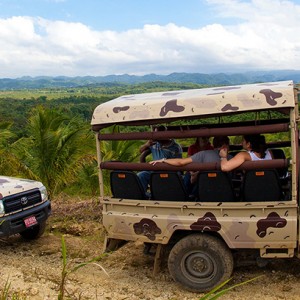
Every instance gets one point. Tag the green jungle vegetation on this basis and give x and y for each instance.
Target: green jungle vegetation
(45, 134)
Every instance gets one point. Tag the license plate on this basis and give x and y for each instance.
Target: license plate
(30, 221)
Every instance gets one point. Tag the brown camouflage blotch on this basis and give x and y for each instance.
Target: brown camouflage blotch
(228, 106)
(207, 223)
(171, 94)
(216, 93)
(239, 231)
(227, 88)
(273, 220)
(271, 96)
(118, 109)
(171, 106)
(131, 97)
(267, 84)
(3, 181)
(147, 228)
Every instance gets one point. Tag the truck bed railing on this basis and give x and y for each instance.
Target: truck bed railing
(248, 165)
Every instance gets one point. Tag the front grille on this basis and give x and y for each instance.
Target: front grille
(22, 200)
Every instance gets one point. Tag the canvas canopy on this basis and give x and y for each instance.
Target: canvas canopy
(160, 107)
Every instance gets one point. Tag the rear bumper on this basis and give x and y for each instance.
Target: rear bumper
(14, 223)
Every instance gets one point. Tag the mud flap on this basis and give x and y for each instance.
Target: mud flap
(158, 259)
(111, 245)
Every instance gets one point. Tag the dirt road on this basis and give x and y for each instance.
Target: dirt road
(34, 269)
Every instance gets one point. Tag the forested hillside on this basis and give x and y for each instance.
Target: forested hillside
(81, 101)
(28, 82)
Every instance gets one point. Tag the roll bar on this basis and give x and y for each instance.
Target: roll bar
(248, 165)
(154, 135)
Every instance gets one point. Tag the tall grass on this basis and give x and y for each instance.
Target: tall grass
(217, 292)
(5, 293)
(67, 268)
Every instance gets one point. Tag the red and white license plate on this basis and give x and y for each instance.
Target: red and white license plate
(30, 221)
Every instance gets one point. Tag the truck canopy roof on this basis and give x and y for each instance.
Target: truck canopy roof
(160, 107)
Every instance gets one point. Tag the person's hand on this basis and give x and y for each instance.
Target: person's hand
(154, 162)
(150, 143)
(223, 152)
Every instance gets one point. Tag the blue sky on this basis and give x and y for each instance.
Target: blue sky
(102, 37)
(116, 15)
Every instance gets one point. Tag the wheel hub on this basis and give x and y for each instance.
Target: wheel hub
(199, 265)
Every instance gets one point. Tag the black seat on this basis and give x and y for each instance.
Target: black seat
(168, 185)
(126, 184)
(279, 154)
(261, 185)
(215, 186)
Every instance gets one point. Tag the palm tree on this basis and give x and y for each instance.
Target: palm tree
(127, 151)
(56, 149)
(119, 150)
(9, 164)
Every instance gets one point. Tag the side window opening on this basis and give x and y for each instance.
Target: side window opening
(271, 184)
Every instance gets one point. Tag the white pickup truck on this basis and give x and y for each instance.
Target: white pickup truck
(24, 207)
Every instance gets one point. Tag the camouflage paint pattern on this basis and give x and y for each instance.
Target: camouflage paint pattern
(11, 185)
(241, 225)
(195, 102)
(248, 225)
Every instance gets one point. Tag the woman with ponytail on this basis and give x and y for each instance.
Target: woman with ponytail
(256, 149)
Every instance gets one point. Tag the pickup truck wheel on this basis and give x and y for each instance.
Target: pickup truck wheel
(34, 232)
(199, 262)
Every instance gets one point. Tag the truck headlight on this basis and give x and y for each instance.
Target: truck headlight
(44, 193)
(1, 207)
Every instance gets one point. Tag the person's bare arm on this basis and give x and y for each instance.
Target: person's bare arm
(146, 146)
(172, 161)
(144, 155)
(236, 161)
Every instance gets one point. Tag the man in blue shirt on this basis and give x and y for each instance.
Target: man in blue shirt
(161, 149)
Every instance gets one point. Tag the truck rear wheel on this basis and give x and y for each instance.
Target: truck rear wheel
(34, 232)
(199, 262)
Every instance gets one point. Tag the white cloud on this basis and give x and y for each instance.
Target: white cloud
(263, 35)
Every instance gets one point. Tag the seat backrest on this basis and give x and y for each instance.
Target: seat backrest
(261, 185)
(215, 186)
(279, 154)
(126, 184)
(168, 186)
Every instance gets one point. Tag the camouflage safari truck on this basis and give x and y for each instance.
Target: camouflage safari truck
(252, 213)
(24, 207)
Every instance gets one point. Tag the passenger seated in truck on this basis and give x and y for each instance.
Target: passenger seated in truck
(256, 149)
(201, 143)
(205, 156)
(160, 149)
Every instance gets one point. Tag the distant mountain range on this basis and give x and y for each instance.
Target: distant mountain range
(28, 82)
